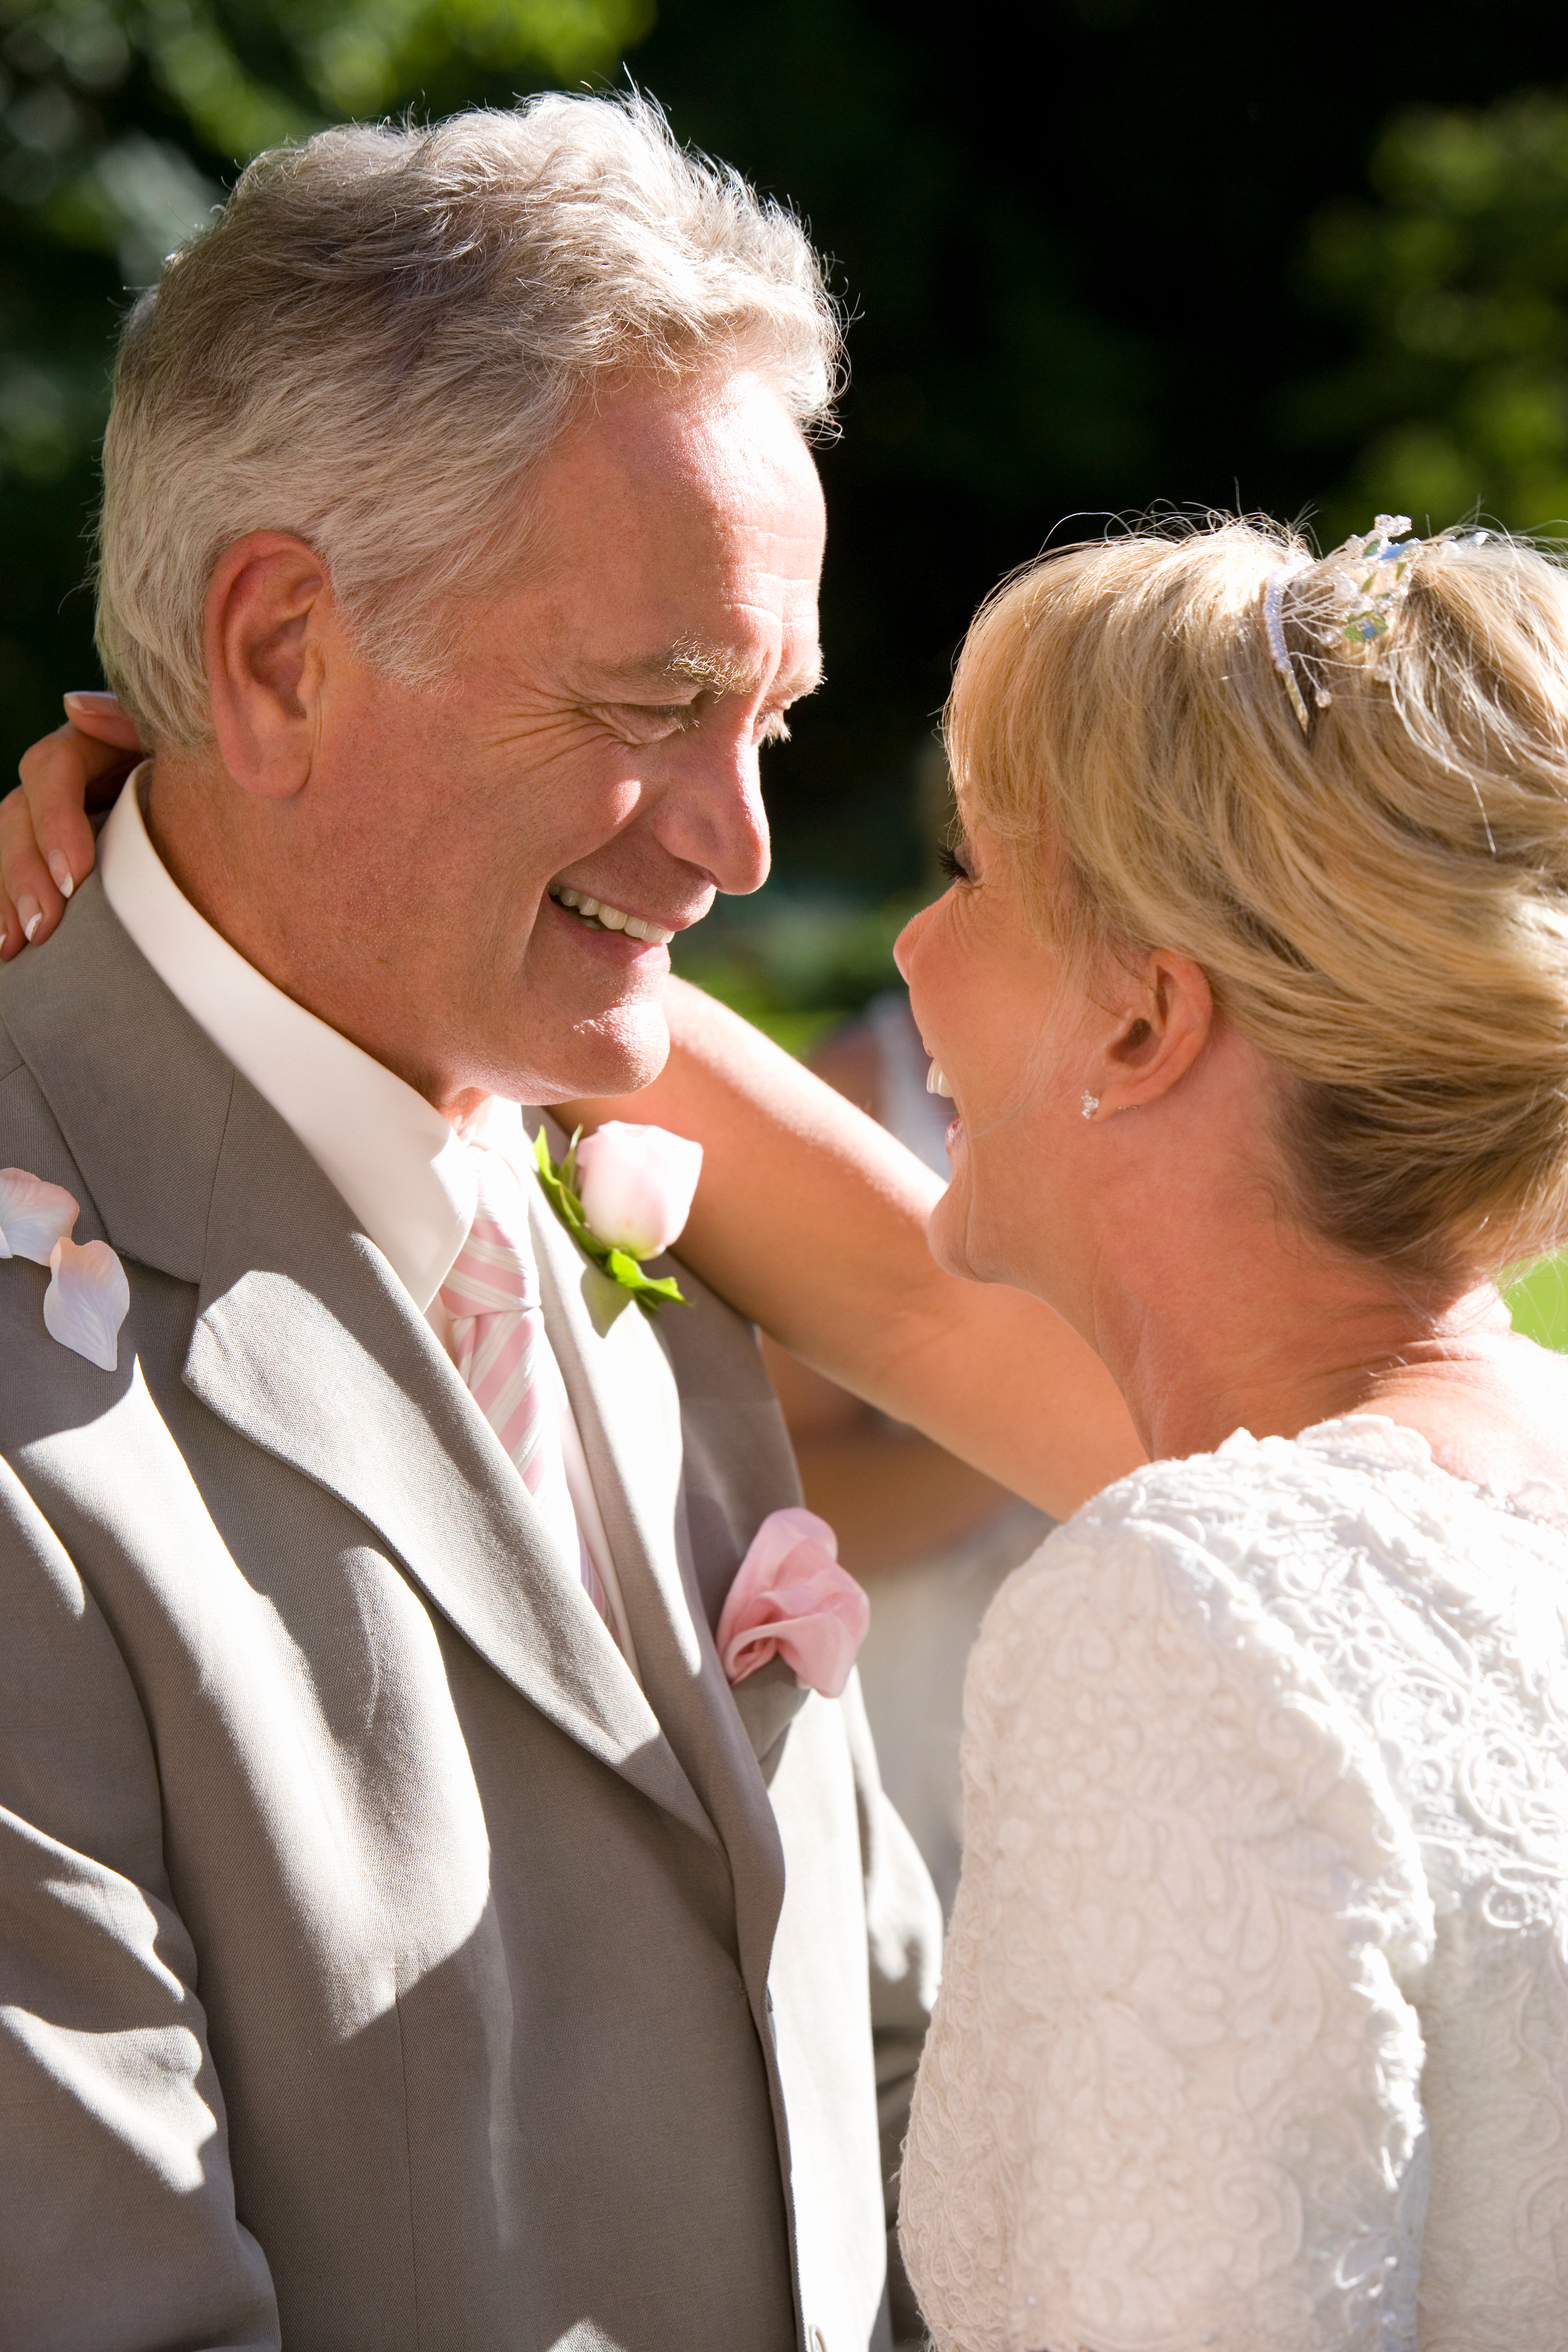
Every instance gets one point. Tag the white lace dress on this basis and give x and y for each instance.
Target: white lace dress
(1253, 2032)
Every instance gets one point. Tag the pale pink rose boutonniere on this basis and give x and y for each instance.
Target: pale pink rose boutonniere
(89, 1297)
(623, 1194)
(791, 1598)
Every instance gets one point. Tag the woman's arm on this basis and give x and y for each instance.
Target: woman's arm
(811, 1220)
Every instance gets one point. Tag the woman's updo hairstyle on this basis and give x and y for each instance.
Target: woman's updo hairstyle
(1380, 903)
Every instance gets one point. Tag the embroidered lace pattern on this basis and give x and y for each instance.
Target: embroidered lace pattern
(1253, 2032)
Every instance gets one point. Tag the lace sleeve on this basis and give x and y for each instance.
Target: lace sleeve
(1171, 2098)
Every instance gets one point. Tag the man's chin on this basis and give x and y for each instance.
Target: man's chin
(617, 1054)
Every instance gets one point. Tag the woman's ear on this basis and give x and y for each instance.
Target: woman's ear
(1165, 1019)
(267, 605)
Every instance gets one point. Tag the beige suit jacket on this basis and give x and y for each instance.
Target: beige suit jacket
(378, 1966)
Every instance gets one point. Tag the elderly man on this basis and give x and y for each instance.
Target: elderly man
(409, 1937)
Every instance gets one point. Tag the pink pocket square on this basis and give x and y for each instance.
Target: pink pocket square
(791, 1598)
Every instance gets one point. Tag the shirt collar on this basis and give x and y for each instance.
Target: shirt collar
(403, 1169)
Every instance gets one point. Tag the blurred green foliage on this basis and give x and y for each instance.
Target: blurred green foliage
(796, 963)
(1539, 1303)
(1454, 269)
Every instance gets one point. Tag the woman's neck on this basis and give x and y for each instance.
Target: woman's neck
(1278, 1340)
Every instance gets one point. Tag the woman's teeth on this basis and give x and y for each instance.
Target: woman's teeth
(594, 911)
(935, 1082)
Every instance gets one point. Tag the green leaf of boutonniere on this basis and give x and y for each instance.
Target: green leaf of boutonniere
(561, 1191)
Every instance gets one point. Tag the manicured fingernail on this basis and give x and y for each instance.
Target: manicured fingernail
(92, 696)
(59, 867)
(32, 915)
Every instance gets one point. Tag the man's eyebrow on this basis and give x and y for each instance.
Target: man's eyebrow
(713, 670)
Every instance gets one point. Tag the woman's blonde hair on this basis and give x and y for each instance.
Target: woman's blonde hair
(1380, 904)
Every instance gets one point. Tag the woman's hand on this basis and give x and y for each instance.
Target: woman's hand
(46, 841)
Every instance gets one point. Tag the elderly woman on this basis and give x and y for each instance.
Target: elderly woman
(1251, 995)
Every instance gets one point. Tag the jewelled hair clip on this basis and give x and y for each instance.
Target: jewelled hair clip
(1373, 575)
(1274, 630)
(1367, 578)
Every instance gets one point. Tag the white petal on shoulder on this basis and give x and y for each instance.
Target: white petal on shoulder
(33, 1215)
(86, 1301)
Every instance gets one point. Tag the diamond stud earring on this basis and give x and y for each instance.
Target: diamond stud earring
(1090, 1104)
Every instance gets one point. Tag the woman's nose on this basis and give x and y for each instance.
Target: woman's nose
(908, 939)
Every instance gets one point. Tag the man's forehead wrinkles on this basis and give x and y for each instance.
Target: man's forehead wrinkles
(711, 667)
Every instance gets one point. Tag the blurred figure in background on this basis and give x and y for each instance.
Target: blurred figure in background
(930, 1538)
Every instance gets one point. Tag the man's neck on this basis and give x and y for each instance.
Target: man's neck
(227, 859)
(247, 866)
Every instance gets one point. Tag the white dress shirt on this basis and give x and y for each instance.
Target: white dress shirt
(404, 1171)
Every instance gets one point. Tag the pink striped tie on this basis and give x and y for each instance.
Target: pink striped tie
(500, 1348)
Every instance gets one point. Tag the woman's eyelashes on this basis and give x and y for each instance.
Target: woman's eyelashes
(953, 859)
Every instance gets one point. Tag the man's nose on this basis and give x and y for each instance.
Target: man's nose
(712, 814)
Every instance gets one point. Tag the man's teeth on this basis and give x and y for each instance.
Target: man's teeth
(936, 1084)
(611, 919)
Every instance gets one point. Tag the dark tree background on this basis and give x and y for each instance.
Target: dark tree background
(1102, 253)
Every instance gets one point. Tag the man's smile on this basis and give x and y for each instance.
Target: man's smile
(598, 915)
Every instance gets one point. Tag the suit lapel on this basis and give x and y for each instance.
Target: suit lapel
(305, 1343)
(364, 1402)
(627, 1407)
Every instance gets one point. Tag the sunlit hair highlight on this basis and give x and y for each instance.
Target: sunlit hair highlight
(1381, 906)
(384, 332)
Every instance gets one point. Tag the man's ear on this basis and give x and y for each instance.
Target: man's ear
(1165, 1019)
(267, 605)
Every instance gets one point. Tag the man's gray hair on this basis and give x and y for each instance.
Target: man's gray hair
(384, 329)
